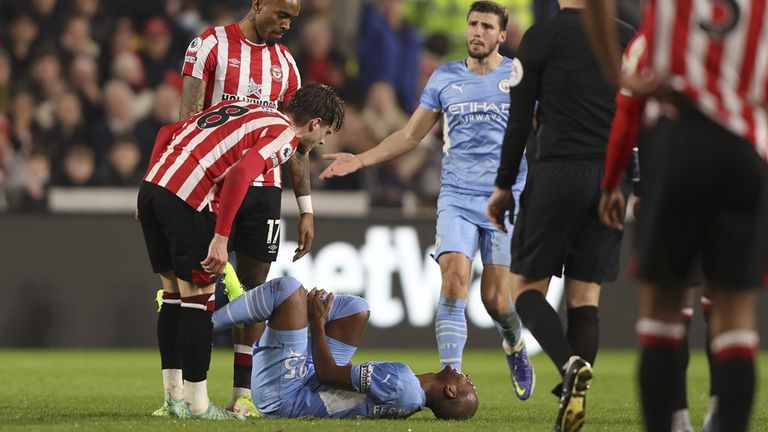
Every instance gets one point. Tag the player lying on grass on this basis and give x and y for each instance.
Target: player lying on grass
(298, 375)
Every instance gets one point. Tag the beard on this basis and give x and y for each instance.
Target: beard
(480, 55)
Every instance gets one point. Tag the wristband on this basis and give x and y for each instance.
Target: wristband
(305, 204)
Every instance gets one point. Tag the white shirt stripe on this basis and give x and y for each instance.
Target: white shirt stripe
(245, 70)
(222, 62)
(202, 56)
(266, 75)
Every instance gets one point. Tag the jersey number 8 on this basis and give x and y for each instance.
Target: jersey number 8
(220, 116)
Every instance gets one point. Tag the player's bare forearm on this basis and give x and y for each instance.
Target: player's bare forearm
(328, 372)
(601, 29)
(402, 141)
(298, 170)
(192, 97)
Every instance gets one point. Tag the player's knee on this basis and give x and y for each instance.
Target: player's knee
(288, 288)
(455, 284)
(494, 304)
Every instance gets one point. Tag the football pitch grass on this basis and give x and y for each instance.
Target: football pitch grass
(116, 390)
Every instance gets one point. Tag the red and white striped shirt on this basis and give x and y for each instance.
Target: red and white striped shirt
(192, 158)
(237, 69)
(716, 53)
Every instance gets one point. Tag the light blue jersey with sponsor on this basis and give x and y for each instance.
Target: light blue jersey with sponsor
(475, 111)
(383, 390)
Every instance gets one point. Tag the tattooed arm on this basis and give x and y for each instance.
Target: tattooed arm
(192, 97)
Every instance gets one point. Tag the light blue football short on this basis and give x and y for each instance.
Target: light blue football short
(462, 226)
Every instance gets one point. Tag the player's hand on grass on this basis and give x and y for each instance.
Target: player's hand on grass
(306, 235)
(341, 165)
(217, 255)
(612, 209)
(499, 203)
(319, 304)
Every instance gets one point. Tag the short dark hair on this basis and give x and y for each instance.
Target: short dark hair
(491, 7)
(317, 100)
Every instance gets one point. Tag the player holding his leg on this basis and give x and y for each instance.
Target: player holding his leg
(298, 375)
(472, 96)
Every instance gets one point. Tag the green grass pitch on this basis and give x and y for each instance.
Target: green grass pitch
(51, 390)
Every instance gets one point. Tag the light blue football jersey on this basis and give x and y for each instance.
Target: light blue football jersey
(475, 111)
(383, 390)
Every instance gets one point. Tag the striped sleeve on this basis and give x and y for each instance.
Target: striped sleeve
(200, 58)
(275, 146)
(294, 78)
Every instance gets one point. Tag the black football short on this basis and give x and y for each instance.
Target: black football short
(256, 232)
(557, 228)
(707, 195)
(177, 236)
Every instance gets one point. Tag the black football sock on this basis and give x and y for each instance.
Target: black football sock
(584, 331)
(544, 324)
(682, 358)
(168, 331)
(734, 368)
(196, 337)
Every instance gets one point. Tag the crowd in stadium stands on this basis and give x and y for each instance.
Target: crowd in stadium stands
(86, 84)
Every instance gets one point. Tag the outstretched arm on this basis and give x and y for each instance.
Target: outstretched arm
(397, 144)
(328, 372)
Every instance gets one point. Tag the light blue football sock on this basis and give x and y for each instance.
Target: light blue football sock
(451, 331)
(255, 305)
(509, 326)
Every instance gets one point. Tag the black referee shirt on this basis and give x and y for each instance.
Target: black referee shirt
(556, 67)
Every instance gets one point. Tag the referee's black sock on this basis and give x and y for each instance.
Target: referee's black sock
(544, 324)
(168, 331)
(196, 330)
(584, 331)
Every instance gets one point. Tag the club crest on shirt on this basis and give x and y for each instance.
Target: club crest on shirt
(517, 73)
(277, 73)
(195, 44)
(504, 86)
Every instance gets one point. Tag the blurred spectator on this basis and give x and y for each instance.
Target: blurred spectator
(381, 115)
(77, 39)
(48, 14)
(99, 21)
(23, 127)
(123, 168)
(5, 81)
(389, 50)
(318, 60)
(222, 15)
(165, 111)
(37, 175)
(67, 130)
(353, 138)
(124, 39)
(128, 68)
(78, 168)
(47, 78)
(156, 54)
(84, 76)
(118, 118)
(23, 34)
